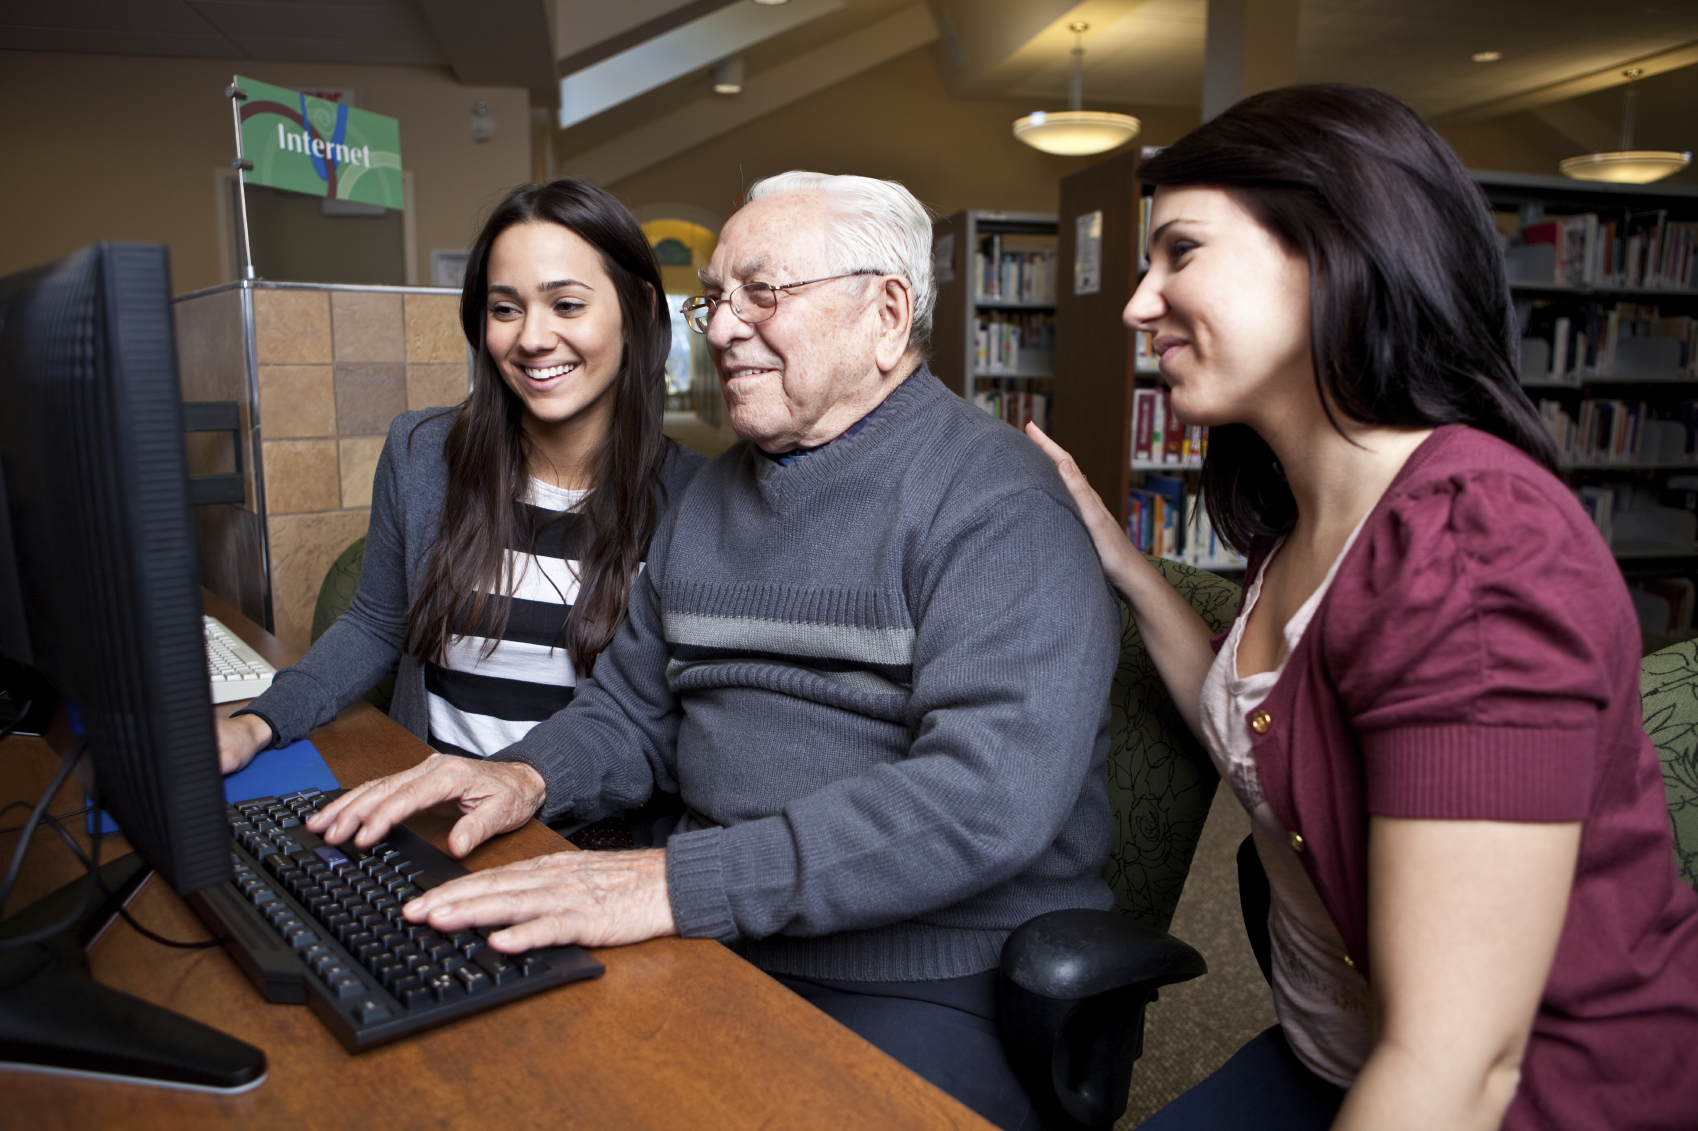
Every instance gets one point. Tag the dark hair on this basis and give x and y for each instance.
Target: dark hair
(1411, 321)
(487, 450)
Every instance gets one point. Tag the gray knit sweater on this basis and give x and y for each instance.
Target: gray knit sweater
(879, 679)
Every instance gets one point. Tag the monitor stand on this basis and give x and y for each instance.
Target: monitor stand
(54, 1017)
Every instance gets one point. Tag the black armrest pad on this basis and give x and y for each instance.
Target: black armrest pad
(1071, 955)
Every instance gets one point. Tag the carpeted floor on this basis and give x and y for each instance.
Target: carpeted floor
(1197, 1025)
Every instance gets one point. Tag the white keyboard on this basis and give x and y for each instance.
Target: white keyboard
(237, 671)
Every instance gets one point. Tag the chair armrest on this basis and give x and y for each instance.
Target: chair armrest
(1071, 1003)
(1078, 954)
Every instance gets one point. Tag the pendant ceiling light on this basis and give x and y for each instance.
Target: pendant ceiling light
(1074, 132)
(1627, 165)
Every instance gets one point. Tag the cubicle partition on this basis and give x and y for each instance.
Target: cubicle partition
(293, 386)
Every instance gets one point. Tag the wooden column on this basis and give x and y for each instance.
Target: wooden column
(1093, 348)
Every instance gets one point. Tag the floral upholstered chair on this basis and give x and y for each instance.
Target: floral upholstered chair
(1668, 691)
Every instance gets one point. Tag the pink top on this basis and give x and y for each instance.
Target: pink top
(1477, 658)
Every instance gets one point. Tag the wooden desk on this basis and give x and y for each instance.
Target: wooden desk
(679, 1033)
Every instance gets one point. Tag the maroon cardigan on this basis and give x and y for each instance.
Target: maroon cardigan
(1477, 658)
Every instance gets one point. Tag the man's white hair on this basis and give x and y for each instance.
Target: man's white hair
(881, 227)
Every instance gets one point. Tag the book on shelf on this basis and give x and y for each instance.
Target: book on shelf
(1017, 407)
(1642, 250)
(1665, 606)
(1158, 437)
(1632, 517)
(1609, 432)
(1144, 359)
(1567, 343)
(1014, 342)
(1165, 519)
(1015, 269)
(1145, 205)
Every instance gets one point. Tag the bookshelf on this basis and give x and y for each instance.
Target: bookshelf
(1605, 281)
(993, 335)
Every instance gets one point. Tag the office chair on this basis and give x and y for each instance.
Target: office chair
(1075, 983)
(1668, 693)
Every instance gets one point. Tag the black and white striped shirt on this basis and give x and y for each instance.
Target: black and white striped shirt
(479, 703)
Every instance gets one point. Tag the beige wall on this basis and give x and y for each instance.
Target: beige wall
(1499, 144)
(893, 121)
(123, 147)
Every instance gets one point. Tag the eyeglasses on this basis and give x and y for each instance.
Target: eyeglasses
(751, 302)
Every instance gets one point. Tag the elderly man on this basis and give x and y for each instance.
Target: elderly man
(871, 651)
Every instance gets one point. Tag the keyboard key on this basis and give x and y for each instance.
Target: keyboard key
(371, 1012)
(346, 987)
(499, 968)
(416, 997)
(530, 964)
(446, 987)
(473, 979)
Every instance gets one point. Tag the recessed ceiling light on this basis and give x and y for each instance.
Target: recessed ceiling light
(728, 76)
(1486, 56)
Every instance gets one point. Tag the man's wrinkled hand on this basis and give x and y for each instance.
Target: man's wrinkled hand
(588, 898)
(492, 798)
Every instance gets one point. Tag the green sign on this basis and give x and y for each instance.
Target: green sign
(306, 144)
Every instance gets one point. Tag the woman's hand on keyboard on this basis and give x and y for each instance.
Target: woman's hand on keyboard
(493, 798)
(239, 739)
(588, 898)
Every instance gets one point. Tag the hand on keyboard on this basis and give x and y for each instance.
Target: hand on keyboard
(587, 898)
(495, 797)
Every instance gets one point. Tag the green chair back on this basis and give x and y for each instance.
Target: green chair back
(341, 582)
(1160, 779)
(1668, 691)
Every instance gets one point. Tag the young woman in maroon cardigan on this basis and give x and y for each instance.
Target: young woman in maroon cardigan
(1429, 700)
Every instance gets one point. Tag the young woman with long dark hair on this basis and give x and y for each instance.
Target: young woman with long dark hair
(1428, 702)
(505, 533)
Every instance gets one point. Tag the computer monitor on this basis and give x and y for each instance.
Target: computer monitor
(100, 595)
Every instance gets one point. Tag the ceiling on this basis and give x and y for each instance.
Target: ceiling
(485, 42)
(1560, 58)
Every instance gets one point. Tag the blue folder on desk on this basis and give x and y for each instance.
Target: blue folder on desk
(272, 773)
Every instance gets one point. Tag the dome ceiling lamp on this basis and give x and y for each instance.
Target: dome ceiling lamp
(1627, 165)
(1075, 132)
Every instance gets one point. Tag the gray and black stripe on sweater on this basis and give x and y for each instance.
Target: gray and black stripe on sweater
(879, 679)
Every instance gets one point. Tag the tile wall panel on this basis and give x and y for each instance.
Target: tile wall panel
(359, 463)
(436, 386)
(301, 476)
(368, 326)
(292, 327)
(297, 401)
(433, 330)
(368, 396)
(303, 546)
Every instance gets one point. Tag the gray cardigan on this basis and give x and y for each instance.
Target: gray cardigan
(879, 680)
(407, 496)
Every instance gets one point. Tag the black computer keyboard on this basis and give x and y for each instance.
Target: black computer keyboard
(320, 925)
